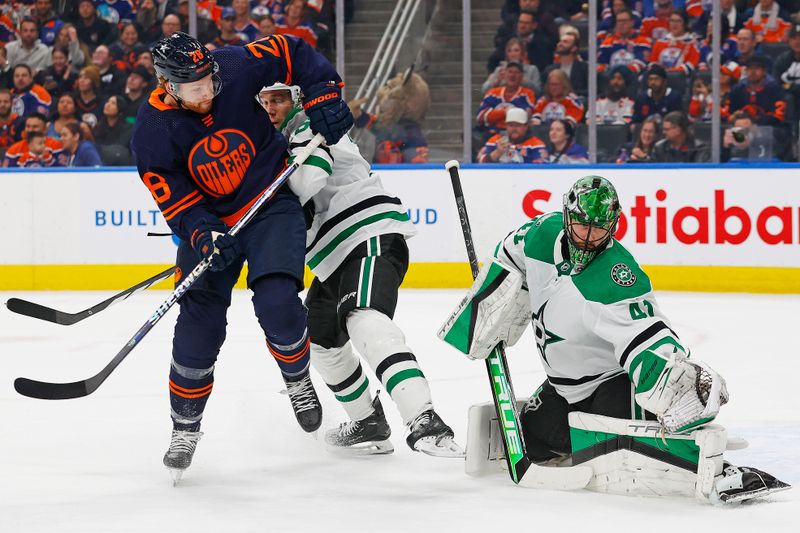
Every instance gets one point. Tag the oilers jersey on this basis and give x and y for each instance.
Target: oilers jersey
(216, 165)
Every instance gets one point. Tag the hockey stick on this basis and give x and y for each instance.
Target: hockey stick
(34, 310)
(79, 389)
(520, 468)
(496, 365)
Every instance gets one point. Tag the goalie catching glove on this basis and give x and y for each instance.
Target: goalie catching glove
(496, 309)
(683, 394)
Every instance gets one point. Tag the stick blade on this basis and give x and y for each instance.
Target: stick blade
(51, 391)
(34, 310)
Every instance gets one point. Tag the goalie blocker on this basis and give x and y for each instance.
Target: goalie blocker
(629, 457)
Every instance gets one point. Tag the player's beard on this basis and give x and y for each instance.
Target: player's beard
(202, 107)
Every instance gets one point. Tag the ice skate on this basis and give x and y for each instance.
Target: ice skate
(305, 403)
(430, 435)
(369, 436)
(181, 450)
(741, 483)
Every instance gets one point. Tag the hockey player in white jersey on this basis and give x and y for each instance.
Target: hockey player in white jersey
(609, 353)
(356, 248)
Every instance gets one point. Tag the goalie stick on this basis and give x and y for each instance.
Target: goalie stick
(520, 468)
(78, 389)
(34, 310)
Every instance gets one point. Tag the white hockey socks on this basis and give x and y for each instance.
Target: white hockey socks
(341, 370)
(381, 342)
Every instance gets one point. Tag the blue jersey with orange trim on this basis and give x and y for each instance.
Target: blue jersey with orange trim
(633, 52)
(19, 155)
(531, 150)
(7, 32)
(766, 104)
(35, 99)
(492, 111)
(215, 166)
(676, 54)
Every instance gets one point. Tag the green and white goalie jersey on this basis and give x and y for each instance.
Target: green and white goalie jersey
(591, 326)
(350, 204)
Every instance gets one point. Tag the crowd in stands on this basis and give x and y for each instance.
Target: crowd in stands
(654, 71)
(74, 73)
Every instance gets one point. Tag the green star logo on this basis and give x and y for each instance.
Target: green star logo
(544, 337)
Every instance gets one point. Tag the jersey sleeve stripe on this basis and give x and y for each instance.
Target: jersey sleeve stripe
(285, 47)
(643, 337)
(325, 149)
(350, 211)
(178, 206)
(183, 208)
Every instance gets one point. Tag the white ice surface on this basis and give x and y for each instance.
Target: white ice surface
(94, 464)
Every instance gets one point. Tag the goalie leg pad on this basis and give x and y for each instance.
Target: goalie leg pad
(496, 309)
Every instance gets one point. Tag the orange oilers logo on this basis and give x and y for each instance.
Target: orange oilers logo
(219, 162)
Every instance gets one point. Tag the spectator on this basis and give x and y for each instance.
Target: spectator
(515, 51)
(248, 28)
(18, 152)
(518, 146)
(492, 111)
(28, 50)
(10, 122)
(768, 21)
(539, 45)
(170, 25)
(137, 89)
(678, 145)
(759, 95)
(728, 51)
(38, 154)
(6, 73)
(623, 47)
(59, 77)
(112, 79)
(206, 27)
(7, 29)
(562, 148)
(78, 152)
(657, 98)
(87, 100)
(145, 60)
(125, 51)
(543, 14)
(29, 97)
(677, 51)
(117, 11)
(734, 18)
(787, 69)
(641, 150)
(558, 101)
(113, 133)
(608, 21)
(569, 60)
(746, 46)
(67, 41)
(616, 107)
(67, 111)
(92, 30)
(266, 26)
(657, 27)
(700, 105)
(293, 22)
(47, 20)
(746, 141)
(729, 75)
(147, 21)
(227, 34)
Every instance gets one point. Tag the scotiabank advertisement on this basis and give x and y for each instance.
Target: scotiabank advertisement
(743, 216)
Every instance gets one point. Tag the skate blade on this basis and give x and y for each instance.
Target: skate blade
(176, 474)
(374, 447)
(444, 447)
(746, 496)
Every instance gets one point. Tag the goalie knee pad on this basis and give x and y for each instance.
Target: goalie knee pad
(496, 309)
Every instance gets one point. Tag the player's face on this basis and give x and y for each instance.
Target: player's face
(197, 95)
(278, 104)
(587, 237)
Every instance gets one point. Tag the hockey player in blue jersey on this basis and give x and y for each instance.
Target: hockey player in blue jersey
(205, 156)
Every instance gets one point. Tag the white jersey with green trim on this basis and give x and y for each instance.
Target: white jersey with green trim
(350, 203)
(591, 326)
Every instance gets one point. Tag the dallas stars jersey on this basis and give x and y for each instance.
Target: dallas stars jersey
(592, 326)
(350, 203)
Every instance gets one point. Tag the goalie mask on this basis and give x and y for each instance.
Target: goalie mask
(591, 212)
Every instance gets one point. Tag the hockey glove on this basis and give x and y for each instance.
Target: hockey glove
(211, 239)
(326, 111)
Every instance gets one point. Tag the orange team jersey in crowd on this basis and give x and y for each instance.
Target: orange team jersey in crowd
(654, 28)
(676, 55)
(8, 130)
(694, 8)
(304, 30)
(569, 107)
(19, 155)
(7, 33)
(212, 8)
(633, 53)
(703, 114)
(492, 111)
(531, 150)
(775, 34)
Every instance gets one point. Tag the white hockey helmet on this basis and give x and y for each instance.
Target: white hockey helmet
(294, 90)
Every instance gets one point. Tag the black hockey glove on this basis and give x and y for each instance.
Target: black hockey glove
(211, 235)
(326, 111)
